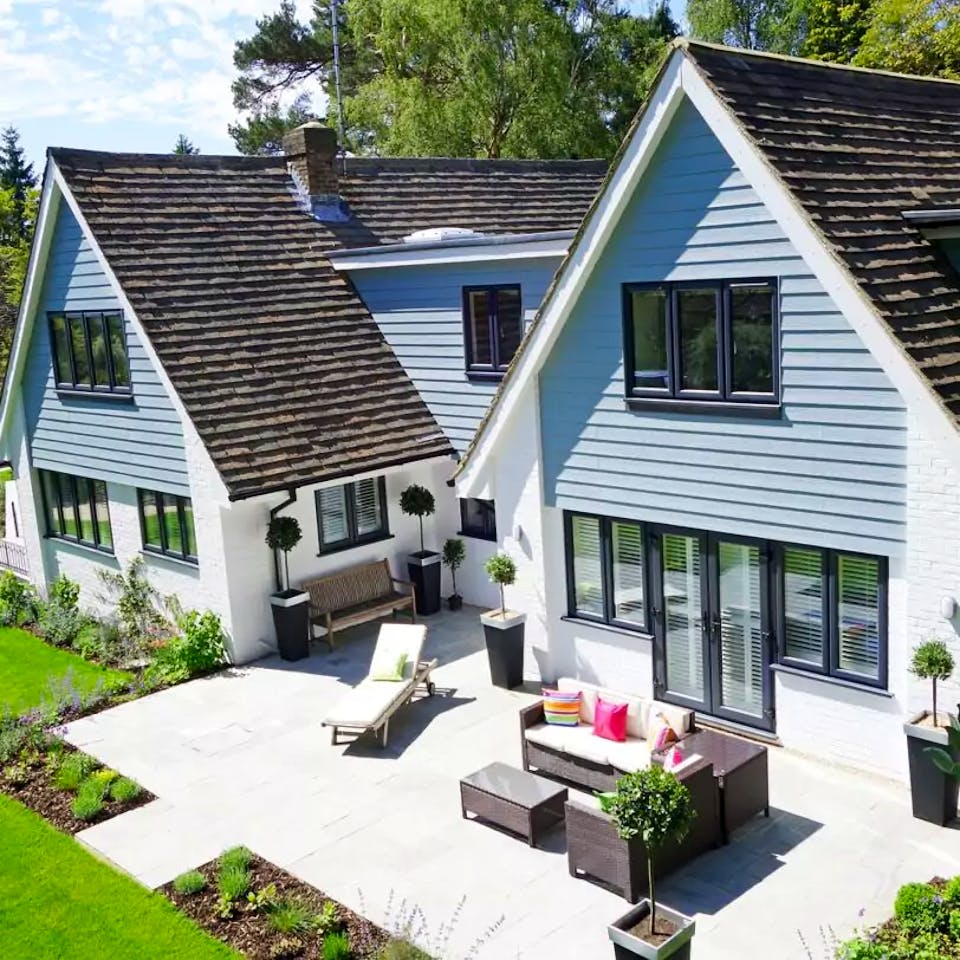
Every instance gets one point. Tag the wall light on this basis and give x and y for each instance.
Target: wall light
(948, 608)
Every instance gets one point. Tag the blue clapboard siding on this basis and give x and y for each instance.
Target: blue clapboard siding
(831, 471)
(137, 442)
(419, 310)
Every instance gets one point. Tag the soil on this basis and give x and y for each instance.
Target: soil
(926, 720)
(249, 931)
(35, 789)
(665, 930)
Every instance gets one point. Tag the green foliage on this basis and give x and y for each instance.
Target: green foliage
(239, 857)
(336, 946)
(835, 29)
(139, 617)
(778, 26)
(327, 919)
(287, 948)
(17, 598)
(397, 949)
(125, 790)
(284, 533)
(932, 661)
(199, 648)
(858, 949)
(262, 134)
(233, 882)
(184, 147)
(921, 37)
(88, 803)
(17, 176)
(951, 892)
(454, 553)
(290, 915)
(189, 883)
(73, 770)
(60, 620)
(502, 571)
(262, 899)
(919, 908)
(417, 501)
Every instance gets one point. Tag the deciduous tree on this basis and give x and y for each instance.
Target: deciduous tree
(778, 26)
(913, 36)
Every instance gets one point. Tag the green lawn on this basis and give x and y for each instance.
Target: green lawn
(57, 900)
(27, 665)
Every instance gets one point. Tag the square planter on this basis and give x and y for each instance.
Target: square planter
(933, 794)
(291, 620)
(424, 570)
(627, 945)
(503, 635)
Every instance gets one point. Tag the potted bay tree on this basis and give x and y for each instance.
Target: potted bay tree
(503, 628)
(424, 565)
(652, 806)
(454, 553)
(933, 791)
(291, 608)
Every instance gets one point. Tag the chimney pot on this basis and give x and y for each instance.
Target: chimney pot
(311, 151)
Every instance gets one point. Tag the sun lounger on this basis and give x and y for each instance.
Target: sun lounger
(371, 704)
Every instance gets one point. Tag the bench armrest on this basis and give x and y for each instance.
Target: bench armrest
(532, 715)
(405, 583)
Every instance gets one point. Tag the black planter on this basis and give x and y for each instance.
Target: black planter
(933, 793)
(424, 569)
(454, 601)
(291, 619)
(626, 946)
(504, 639)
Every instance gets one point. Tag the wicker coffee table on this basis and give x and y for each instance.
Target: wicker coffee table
(515, 800)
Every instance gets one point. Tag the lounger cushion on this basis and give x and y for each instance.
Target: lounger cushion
(367, 703)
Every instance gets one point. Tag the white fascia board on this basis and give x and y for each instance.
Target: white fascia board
(476, 253)
(33, 285)
(852, 302)
(131, 315)
(576, 270)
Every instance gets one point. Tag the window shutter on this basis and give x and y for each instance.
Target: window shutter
(587, 566)
(858, 615)
(628, 572)
(333, 515)
(803, 604)
(369, 511)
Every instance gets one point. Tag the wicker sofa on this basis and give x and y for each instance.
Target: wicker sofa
(575, 755)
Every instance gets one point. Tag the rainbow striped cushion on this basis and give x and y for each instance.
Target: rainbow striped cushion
(561, 708)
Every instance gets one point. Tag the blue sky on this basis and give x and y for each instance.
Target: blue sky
(127, 74)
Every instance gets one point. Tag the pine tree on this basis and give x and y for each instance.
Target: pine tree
(184, 147)
(16, 175)
(836, 29)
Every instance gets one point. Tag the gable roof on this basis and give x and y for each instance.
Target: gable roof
(275, 357)
(852, 150)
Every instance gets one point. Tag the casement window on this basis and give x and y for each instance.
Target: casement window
(77, 509)
(833, 613)
(702, 342)
(352, 514)
(478, 518)
(90, 351)
(606, 575)
(166, 525)
(493, 328)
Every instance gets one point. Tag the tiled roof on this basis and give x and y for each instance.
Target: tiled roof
(857, 149)
(391, 198)
(274, 355)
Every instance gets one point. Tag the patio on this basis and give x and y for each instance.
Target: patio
(242, 758)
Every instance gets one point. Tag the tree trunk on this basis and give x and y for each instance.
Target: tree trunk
(503, 605)
(653, 902)
(934, 701)
(286, 569)
(421, 533)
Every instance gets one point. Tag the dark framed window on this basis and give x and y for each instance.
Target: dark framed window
(492, 326)
(77, 509)
(702, 342)
(606, 570)
(478, 518)
(352, 514)
(90, 351)
(833, 612)
(166, 525)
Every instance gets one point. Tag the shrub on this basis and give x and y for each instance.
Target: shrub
(417, 501)
(88, 802)
(93, 787)
(397, 949)
(235, 857)
(858, 949)
(189, 883)
(233, 882)
(198, 649)
(932, 661)
(287, 948)
(454, 553)
(73, 770)
(327, 919)
(125, 790)
(919, 908)
(61, 625)
(290, 915)
(336, 946)
(284, 533)
(16, 599)
(502, 571)
(106, 776)
(138, 604)
(951, 892)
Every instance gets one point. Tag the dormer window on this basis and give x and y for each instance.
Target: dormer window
(493, 328)
(90, 351)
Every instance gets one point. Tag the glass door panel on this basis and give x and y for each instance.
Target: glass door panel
(683, 616)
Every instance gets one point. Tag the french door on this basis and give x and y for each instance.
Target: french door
(712, 624)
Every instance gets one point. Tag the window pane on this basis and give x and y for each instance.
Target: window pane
(697, 327)
(151, 520)
(84, 510)
(858, 615)
(191, 544)
(61, 348)
(171, 523)
(803, 604)
(478, 319)
(650, 365)
(118, 350)
(332, 507)
(98, 349)
(369, 509)
(627, 572)
(479, 518)
(51, 497)
(78, 342)
(509, 324)
(751, 325)
(587, 569)
(104, 534)
(68, 505)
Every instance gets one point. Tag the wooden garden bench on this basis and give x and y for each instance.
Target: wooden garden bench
(365, 592)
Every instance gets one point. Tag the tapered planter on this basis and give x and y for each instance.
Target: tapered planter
(503, 633)
(291, 620)
(933, 793)
(424, 569)
(454, 601)
(627, 945)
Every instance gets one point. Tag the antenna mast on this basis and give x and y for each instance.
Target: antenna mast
(335, 17)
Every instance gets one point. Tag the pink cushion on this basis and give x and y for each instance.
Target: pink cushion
(610, 720)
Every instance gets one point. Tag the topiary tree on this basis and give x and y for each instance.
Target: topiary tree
(454, 553)
(503, 572)
(284, 533)
(932, 661)
(417, 501)
(655, 806)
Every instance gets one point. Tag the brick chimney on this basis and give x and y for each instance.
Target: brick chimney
(311, 151)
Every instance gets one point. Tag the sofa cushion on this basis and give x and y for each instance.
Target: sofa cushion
(679, 718)
(576, 741)
(561, 707)
(610, 720)
(628, 756)
(637, 707)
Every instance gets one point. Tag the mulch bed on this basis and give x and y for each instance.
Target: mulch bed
(249, 932)
(37, 792)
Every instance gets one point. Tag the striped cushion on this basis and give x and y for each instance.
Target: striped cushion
(561, 708)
